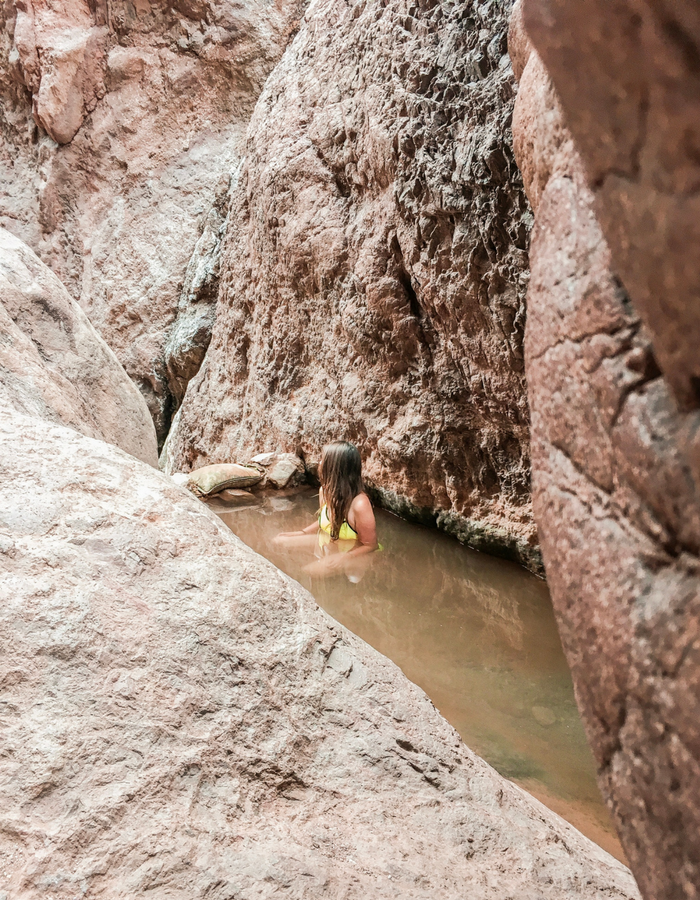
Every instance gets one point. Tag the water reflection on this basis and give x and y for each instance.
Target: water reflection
(476, 633)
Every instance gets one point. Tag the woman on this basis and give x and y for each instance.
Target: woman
(345, 526)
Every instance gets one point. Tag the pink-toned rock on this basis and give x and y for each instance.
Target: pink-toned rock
(615, 494)
(373, 284)
(179, 719)
(148, 103)
(60, 56)
(54, 365)
(628, 75)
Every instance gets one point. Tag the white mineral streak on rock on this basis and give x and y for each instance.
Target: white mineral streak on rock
(263, 458)
(180, 719)
(53, 364)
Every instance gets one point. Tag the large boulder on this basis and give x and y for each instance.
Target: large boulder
(373, 285)
(120, 129)
(179, 719)
(53, 364)
(628, 74)
(616, 491)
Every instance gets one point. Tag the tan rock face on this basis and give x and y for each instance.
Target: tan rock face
(142, 108)
(180, 719)
(617, 502)
(373, 283)
(54, 365)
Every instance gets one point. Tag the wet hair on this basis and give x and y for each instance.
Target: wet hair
(340, 474)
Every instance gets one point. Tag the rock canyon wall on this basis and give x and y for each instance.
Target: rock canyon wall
(120, 130)
(54, 365)
(374, 273)
(179, 719)
(611, 360)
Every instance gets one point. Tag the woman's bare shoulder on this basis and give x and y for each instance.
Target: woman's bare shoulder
(361, 503)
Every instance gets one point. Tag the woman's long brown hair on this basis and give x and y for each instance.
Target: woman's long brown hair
(340, 474)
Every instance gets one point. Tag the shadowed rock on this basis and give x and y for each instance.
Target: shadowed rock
(628, 74)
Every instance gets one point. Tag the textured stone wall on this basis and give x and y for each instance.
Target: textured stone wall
(374, 274)
(120, 128)
(637, 128)
(615, 481)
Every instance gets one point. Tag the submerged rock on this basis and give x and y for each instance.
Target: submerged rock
(544, 716)
(231, 495)
(616, 482)
(53, 363)
(374, 272)
(179, 718)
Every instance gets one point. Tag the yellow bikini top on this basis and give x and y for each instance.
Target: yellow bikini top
(346, 532)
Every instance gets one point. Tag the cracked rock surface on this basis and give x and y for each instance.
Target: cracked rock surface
(375, 268)
(616, 495)
(120, 126)
(54, 365)
(180, 720)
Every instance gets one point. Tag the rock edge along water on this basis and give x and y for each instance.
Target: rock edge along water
(616, 488)
(180, 719)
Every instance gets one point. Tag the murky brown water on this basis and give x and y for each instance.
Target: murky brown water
(476, 633)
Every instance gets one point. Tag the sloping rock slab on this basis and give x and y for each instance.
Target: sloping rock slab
(180, 720)
(55, 365)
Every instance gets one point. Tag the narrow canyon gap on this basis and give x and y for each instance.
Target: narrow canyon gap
(121, 127)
